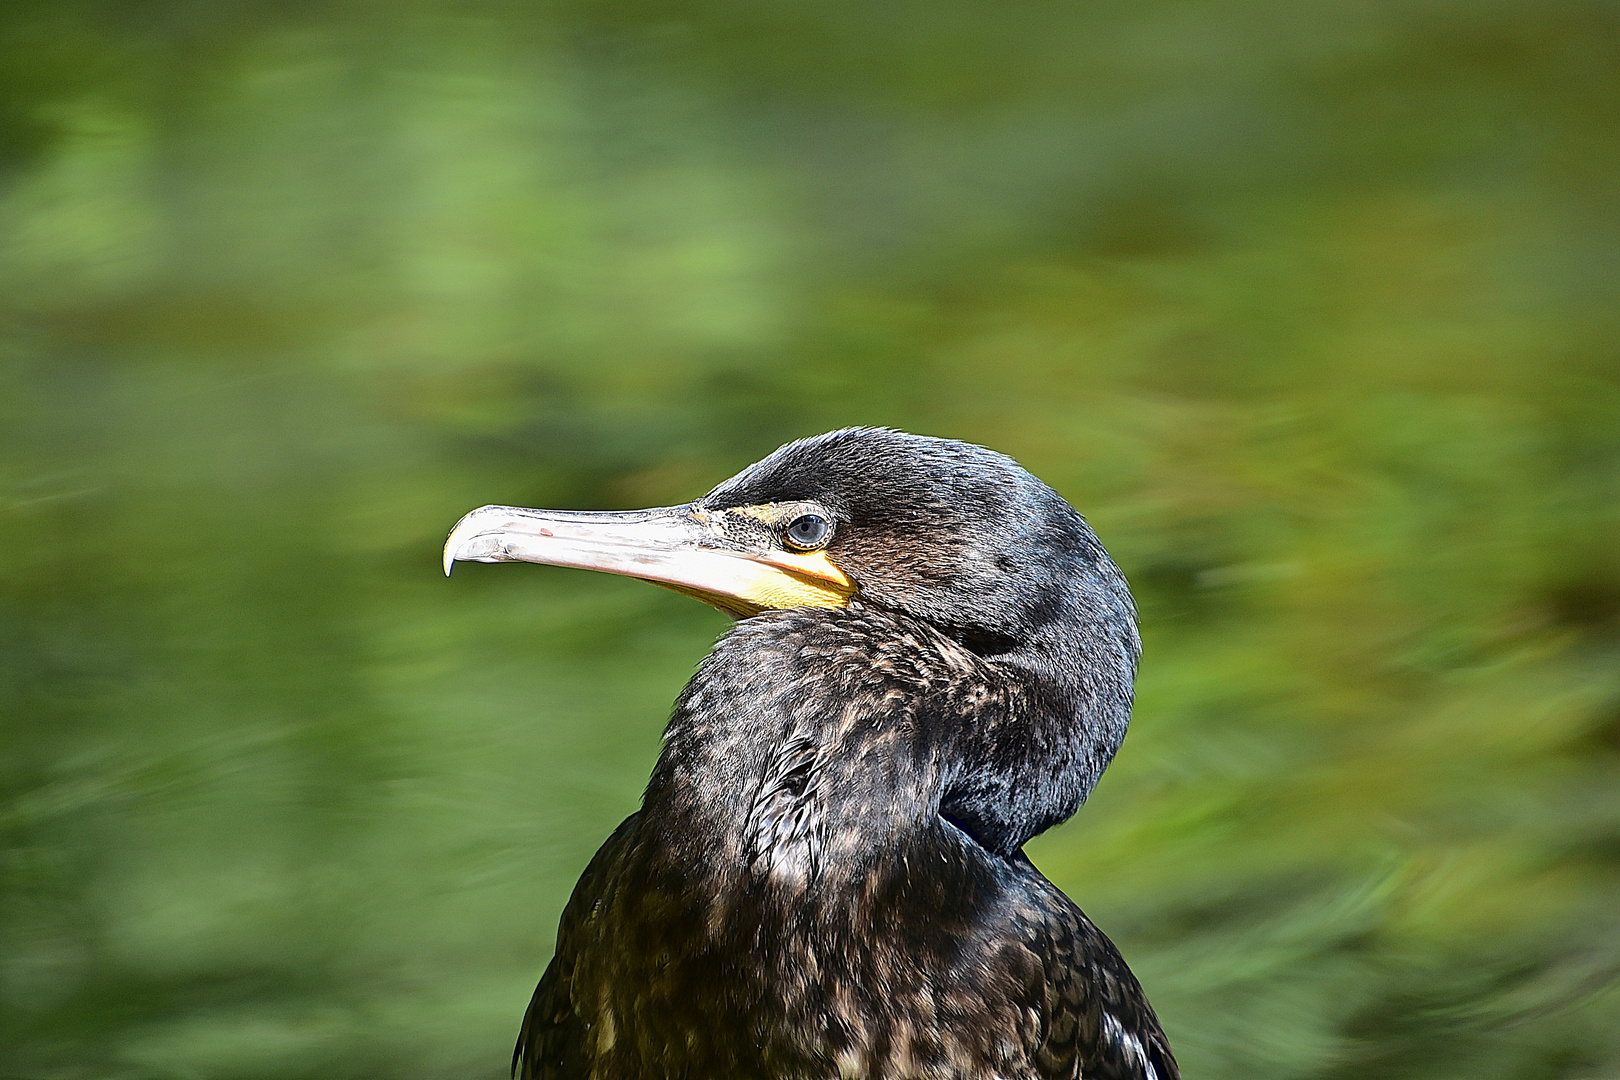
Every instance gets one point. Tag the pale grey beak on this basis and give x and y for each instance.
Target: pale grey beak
(671, 545)
(625, 542)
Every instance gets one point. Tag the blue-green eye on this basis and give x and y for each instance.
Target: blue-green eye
(807, 531)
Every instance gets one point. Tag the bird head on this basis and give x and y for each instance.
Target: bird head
(950, 533)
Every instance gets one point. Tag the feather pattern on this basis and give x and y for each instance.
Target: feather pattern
(792, 901)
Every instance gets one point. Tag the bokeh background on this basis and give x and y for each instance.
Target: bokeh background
(1312, 306)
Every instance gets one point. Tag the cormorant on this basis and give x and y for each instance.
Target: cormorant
(933, 663)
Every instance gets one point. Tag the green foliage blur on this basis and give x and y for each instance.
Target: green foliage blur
(1313, 307)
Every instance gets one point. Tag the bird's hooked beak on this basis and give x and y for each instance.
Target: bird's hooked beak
(677, 546)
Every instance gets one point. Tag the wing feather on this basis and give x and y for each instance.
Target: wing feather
(1099, 1025)
(551, 1043)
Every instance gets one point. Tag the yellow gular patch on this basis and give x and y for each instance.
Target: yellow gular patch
(776, 581)
(790, 590)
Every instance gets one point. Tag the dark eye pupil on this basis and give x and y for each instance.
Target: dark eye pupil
(808, 531)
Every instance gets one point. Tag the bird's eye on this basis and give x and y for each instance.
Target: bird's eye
(807, 531)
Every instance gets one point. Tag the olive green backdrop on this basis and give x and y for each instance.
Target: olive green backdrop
(1312, 306)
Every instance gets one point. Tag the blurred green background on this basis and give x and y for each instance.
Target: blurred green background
(1312, 306)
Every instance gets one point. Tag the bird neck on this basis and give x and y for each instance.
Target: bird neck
(811, 742)
(801, 747)
(1045, 727)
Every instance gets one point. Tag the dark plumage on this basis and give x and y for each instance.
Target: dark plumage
(825, 878)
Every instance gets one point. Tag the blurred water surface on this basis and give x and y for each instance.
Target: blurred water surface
(1312, 307)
